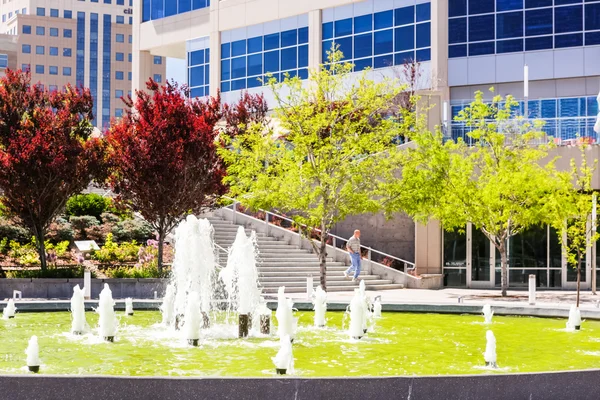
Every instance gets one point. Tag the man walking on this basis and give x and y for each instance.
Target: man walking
(353, 247)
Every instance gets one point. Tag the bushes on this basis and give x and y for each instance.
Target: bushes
(112, 252)
(81, 223)
(62, 273)
(87, 204)
(133, 229)
(60, 231)
(13, 232)
(139, 271)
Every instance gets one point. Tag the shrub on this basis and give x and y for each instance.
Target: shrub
(98, 232)
(60, 231)
(112, 252)
(4, 246)
(133, 229)
(13, 232)
(109, 218)
(81, 223)
(62, 273)
(87, 204)
(61, 249)
(137, 272)
(119, 209)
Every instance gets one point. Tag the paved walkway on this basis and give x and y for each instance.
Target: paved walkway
(469, 297)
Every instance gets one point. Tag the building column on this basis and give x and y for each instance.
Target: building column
(439, 48)
(215, 49)
(315, 32)
(141, 61)
(428, 248)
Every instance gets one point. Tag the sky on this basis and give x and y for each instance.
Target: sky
(176, 69)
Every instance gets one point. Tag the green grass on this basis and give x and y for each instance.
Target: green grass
(400, 344)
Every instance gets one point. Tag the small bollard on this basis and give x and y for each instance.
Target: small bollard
(597, 303)
(87, 285)
(17, 295)
(531, 290)
(155, 295)
(460, 299)
(309, 287)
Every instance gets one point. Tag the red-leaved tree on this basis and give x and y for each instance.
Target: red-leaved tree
(164, 161)
(251, 108)
(46, 151)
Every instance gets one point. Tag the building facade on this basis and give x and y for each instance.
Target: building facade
(461, 45)
(84, 43)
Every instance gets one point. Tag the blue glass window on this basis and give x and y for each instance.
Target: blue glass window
(119, 75)
(508, 5)
(303, 35)
(26, 29)
(538, 22)
(196, 57)
(120, 19)
(538, 43)
(538, 3)
(479, 49)
(384, 42)
(156, 59)
(509, 46)
(481, 28)
(509, 25)
(363, 23)
(238, 84)
(40, 12)
(39, 50)
(53, 70)
(238, 67)
(403, 58)
(343, 27)
(303, 56)
(67, 52)
(120, 56)
(481, 6)
(568, 107)
(457, 8)
(120, 38)
(592, 16)
(363, 45)
(548, 108)
(345, 47)
(39, 69)
(255, 45)
(423, 35)
(272, 61)
(404, 38)
(271, 41)
(26, 48)
(570, 40)
(405, 15)
(184, 6)
(592, 38)
(361, 65)
(327, 30)
(67, 71)
(457, 30)
(54, 32)
(53, 51)
(423, 55)
(384, 61)
(68, 33)
(40, 30)
(568, 19)
(68, 14)
(197, 76)
(238, 48)
(457, 51)
(226, 50)
(384, 19)
(423, 12)
(255, 64)
(225, 70)
(289, 38)
(289, 58)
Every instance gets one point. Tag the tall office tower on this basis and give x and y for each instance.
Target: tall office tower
(81, 42)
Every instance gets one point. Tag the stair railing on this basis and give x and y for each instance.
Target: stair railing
(337, 242)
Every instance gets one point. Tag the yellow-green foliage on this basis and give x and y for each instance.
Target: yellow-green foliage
(112, 252)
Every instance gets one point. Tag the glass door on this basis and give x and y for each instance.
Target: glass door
(482, 258)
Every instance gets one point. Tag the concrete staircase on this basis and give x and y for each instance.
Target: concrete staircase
(283, 264)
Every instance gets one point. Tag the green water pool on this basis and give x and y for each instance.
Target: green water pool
(398, 344)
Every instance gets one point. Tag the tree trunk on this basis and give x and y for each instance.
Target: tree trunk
(323, 260)
(161, 241)
(39, 236)
(504, 269)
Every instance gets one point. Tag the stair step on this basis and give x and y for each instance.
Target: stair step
(304, 270)
(329, 283)
(301, 279)
(277, 246)
(300, 264)
(296, 289)
(295, 258)
(285, 252)
(303, 274)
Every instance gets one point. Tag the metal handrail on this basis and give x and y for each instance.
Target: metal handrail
(408, 265)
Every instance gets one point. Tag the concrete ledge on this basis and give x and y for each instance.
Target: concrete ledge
(541, 311)
(581, 385)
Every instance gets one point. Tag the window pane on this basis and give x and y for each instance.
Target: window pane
(303, 35)
(538, 43)
(360, 65)
(384, 19)
(457, 51)
(238, 67)
(481, 28)
(423, 35)
(538, 22)
(272, 41)
(255, 44)
(548, 108)
(197, 57)
(538, 3)
(289, 38)
(363, 45)
(289, 58)
(568, 19)
(405, 15)
(509, 46)
(507, 5)
(363, 23)
(509, 25)
(481, 6)
(384, 42)
(592, 16)
(343, 27)
(255, 63)
(303, 56)
(572, 40)
(457, 30)
(478, 49)
(384, 61)
(197, 76)
(404, 57)
(592, 38)
(480, 253)
(238, 48)
(345, 47)
(455, 250)
(423, 55)
(405, 38)
(328, 30)
(423, 12)
(272, 61)
(457, 8)
(225, 70)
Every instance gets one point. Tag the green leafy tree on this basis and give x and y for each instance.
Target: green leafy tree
(500, 184)
(571, 213)
(336, 150)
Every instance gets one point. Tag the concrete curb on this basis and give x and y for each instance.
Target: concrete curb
(543, 311)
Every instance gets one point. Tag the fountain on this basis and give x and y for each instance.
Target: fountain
(241, 278)
(490, 350)
(193, 314)
(377, 307)
(285, 318)
(78, 324)
(320, 307)
(168, 306)
(33, 355)
(108, 320)
(9, 310)
(574, 322)
(366, 304)
(264, 314)
(487, 314)
(357, 315)
(129, 306)
(284, 360)
(193, 266)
